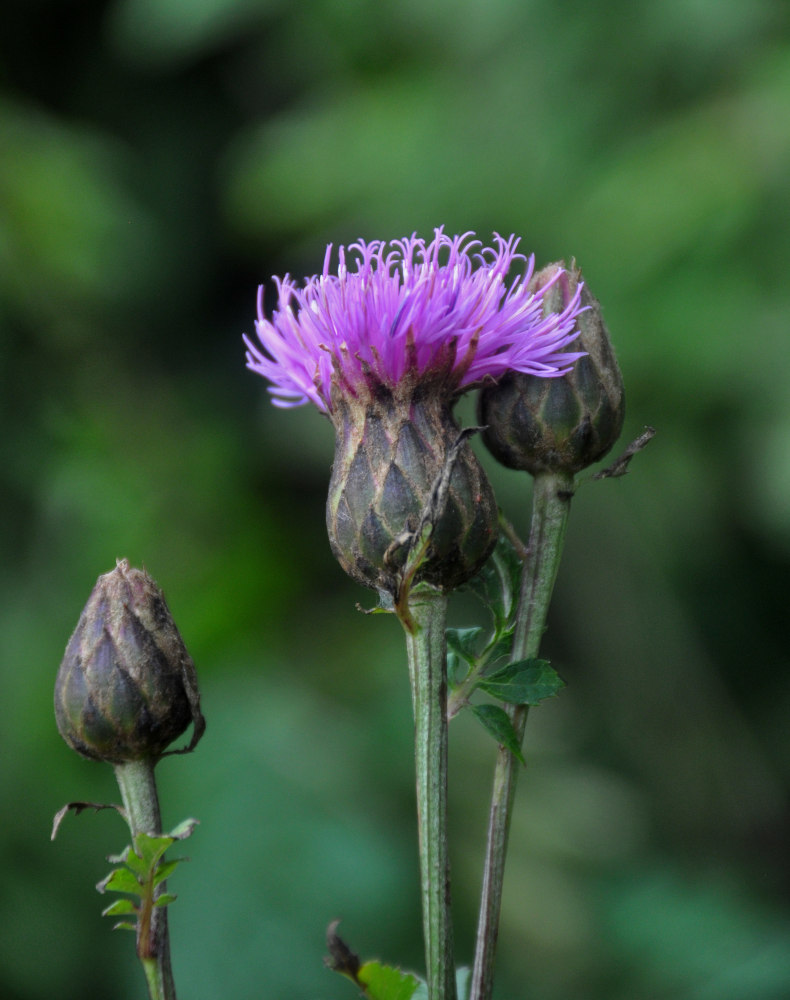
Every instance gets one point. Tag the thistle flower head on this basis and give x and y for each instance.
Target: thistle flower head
(409, 310)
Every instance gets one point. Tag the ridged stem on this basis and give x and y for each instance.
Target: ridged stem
(426, 644)
(141, 802)
(551, 498)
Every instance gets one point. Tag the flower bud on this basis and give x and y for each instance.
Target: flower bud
(567, 423)
(392, 450)
(127, 686)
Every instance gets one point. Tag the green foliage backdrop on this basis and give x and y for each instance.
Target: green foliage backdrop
(159, 159)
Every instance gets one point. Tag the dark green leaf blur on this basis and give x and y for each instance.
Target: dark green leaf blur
(161, 158)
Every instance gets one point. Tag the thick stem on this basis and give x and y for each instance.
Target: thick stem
(138, 791)
(425, 641)
(551, 501)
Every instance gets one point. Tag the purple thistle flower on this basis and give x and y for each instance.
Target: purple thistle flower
(405, 310)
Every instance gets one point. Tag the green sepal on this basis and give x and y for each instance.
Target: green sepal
(497, 722)
(383, 982)
(120, 908)
(525, 682)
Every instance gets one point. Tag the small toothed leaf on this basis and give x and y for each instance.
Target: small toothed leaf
(165, 899)
(124, 925)
(184, 829)
(119, 859)
(525, 682)
(457, 669)
(137, 864)
(498, 583)
(382, 982)
(120, 880)
(150, 849)
(166, 869)
(498, 724)
(464, 642)
(501, 648)
(119, 908)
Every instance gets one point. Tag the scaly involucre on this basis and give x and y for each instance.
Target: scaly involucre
(409, 309)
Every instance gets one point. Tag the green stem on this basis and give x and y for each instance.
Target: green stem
(551, 501)
(141, 802)
(426, 645)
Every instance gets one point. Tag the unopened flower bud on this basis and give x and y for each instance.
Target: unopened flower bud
(127, 686)
(566, 423)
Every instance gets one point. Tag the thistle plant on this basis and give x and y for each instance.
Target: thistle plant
(384, 345)
(552, 430)
(125, 690)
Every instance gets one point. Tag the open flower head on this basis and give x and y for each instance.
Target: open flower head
(442, 311)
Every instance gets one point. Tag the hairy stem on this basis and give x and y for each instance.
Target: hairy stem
(138, 791)
(426, 645)
(551, 500)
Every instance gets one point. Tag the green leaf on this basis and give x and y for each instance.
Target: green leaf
(184, 829)
(463, 983)
(525, 682)
(165, 899)
(382, 982)
(119, 908)
(150, 849)
(137, 864)
(166, 869)
(120, 880)
(124, 925)
(463, 986)
(457, 669)
(498, 583)
(503, 646)
(498, 724)
(119, 859)
(486, 587)
(464, 642)
(510, 567)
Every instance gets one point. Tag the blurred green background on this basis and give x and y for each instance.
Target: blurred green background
(159, 159)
